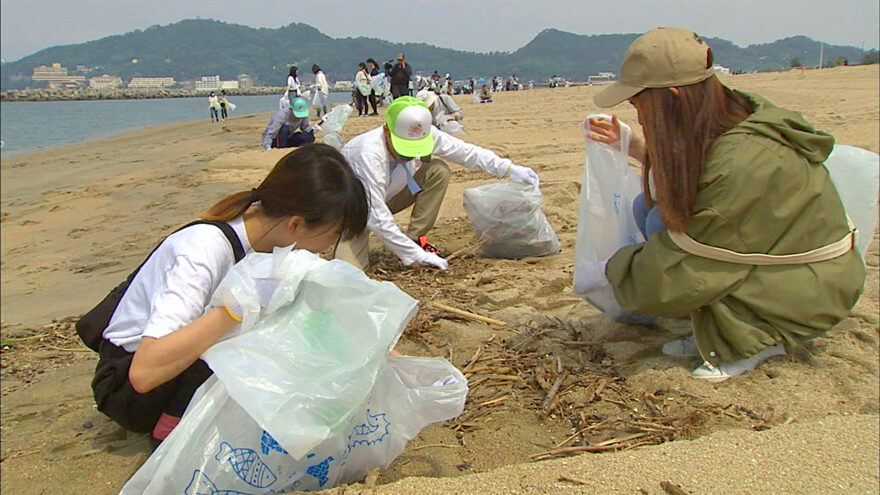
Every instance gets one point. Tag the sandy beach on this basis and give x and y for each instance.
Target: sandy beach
(76, 220)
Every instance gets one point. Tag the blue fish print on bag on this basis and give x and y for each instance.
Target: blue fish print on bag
(372, 431)
(320, 471)
(202, 485)
(268, 443)
(247, 465)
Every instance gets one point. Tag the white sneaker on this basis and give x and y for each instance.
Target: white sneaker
(682, 347)
(726, 370)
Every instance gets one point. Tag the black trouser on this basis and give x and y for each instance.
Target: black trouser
(398, 90)
(139, 412)
(373, 99)
(223, 110)
(361, 103)
(287, 139)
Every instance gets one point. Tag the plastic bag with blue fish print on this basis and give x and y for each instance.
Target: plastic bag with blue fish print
(297, 379)
(218, 449)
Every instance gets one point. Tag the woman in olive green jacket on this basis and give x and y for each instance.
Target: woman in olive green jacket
(757, 247)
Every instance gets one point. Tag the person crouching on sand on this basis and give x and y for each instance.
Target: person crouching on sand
(149, 363)
(737, 197)
(289, 127)
(400, 165)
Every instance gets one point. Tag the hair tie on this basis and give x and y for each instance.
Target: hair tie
(254, 196)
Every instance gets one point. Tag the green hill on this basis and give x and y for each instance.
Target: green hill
(192, 48)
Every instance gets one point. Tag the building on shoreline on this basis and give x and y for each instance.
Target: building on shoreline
(56, 76)
(213, 83)
(105, 82)
(151, 82)
(245, 81)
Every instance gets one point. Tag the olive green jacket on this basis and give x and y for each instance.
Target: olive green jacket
(763, 189)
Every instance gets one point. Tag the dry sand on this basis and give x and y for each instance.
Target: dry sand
(77, 219)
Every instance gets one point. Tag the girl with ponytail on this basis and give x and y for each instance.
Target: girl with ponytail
(161, 320)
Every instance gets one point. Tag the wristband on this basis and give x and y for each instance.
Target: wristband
(231, 314)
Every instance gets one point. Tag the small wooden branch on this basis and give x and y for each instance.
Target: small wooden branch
(572, 479)
(554, 390)
(468, 314)
(22, 339)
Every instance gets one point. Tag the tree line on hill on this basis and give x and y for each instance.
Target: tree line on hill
(190, 49)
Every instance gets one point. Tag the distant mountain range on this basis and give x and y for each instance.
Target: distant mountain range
(190, 49)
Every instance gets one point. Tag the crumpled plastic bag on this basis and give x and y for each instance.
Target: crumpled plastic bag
(227, 450)
(452, 126)
(508, 218)
(856, 175)
(605, 218)
(304, 366)
(333, 123)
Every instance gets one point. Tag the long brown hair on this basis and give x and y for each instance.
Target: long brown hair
(679, 130)
(313, 182)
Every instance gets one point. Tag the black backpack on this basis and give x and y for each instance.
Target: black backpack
(91, 326)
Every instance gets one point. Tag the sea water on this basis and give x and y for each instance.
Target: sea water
(27, 126)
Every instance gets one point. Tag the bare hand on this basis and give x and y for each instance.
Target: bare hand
(605, 132)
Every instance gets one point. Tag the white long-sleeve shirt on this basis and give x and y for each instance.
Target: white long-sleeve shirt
(321, 82)
(372, 163)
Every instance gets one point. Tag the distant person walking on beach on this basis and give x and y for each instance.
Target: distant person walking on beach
(321, 89)
(362, 88)
(401, 164)
(214, 107)
(151, 334)
(289, 127)
(746, 232)
(292, 88)
(224, 104)
(401, 74)
(373, 68)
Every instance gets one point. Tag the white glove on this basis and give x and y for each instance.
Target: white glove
(524, 175)
(315, 128)
(431, 259)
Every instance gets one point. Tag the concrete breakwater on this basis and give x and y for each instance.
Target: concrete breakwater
(126, 93)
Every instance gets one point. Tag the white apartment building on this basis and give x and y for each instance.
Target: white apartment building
(151, 82)
(105, 82)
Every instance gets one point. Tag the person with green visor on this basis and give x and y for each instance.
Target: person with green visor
(745, 230)
(400, 164)
(289, 127)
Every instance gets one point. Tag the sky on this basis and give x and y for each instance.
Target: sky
(27, 26)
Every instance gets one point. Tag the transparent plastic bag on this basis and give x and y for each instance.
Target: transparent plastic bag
(856, 175)
(309, 378)
(605, 217)
(508, 216)
(378, 84)
(452, 126)
(334, 139)
(336, 118)
(284, 102)
(218, 446)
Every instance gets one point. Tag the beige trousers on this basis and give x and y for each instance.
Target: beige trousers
(432, 177)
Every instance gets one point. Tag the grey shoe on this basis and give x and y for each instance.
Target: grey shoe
(686, 347)
(726, 370)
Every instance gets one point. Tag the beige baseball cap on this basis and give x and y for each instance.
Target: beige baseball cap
(661, 58)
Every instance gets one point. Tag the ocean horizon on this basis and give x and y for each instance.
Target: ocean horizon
(30, 126)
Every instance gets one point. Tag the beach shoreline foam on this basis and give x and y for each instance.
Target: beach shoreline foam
(76, 220)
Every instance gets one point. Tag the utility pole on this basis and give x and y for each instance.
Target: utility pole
(821, 54)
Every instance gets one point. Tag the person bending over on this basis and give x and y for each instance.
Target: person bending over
(289, 127)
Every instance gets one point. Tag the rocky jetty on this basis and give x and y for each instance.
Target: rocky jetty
(125, 93)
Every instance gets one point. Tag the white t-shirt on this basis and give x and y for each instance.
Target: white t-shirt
(175, 285)
(293, 82)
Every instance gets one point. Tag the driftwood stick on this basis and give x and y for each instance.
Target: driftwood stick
(572, 479)
(554, 390)
(620, 440)
(468, 314)
(473, 360)
(420, 447)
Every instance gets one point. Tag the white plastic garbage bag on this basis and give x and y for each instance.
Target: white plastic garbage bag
(508, 216)
(378, 84)
(334, 139)
(856, 175)
(284, 102)
(336, 118)
(605, 217)
(452, 126)
(305, 370)
(218, 448)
